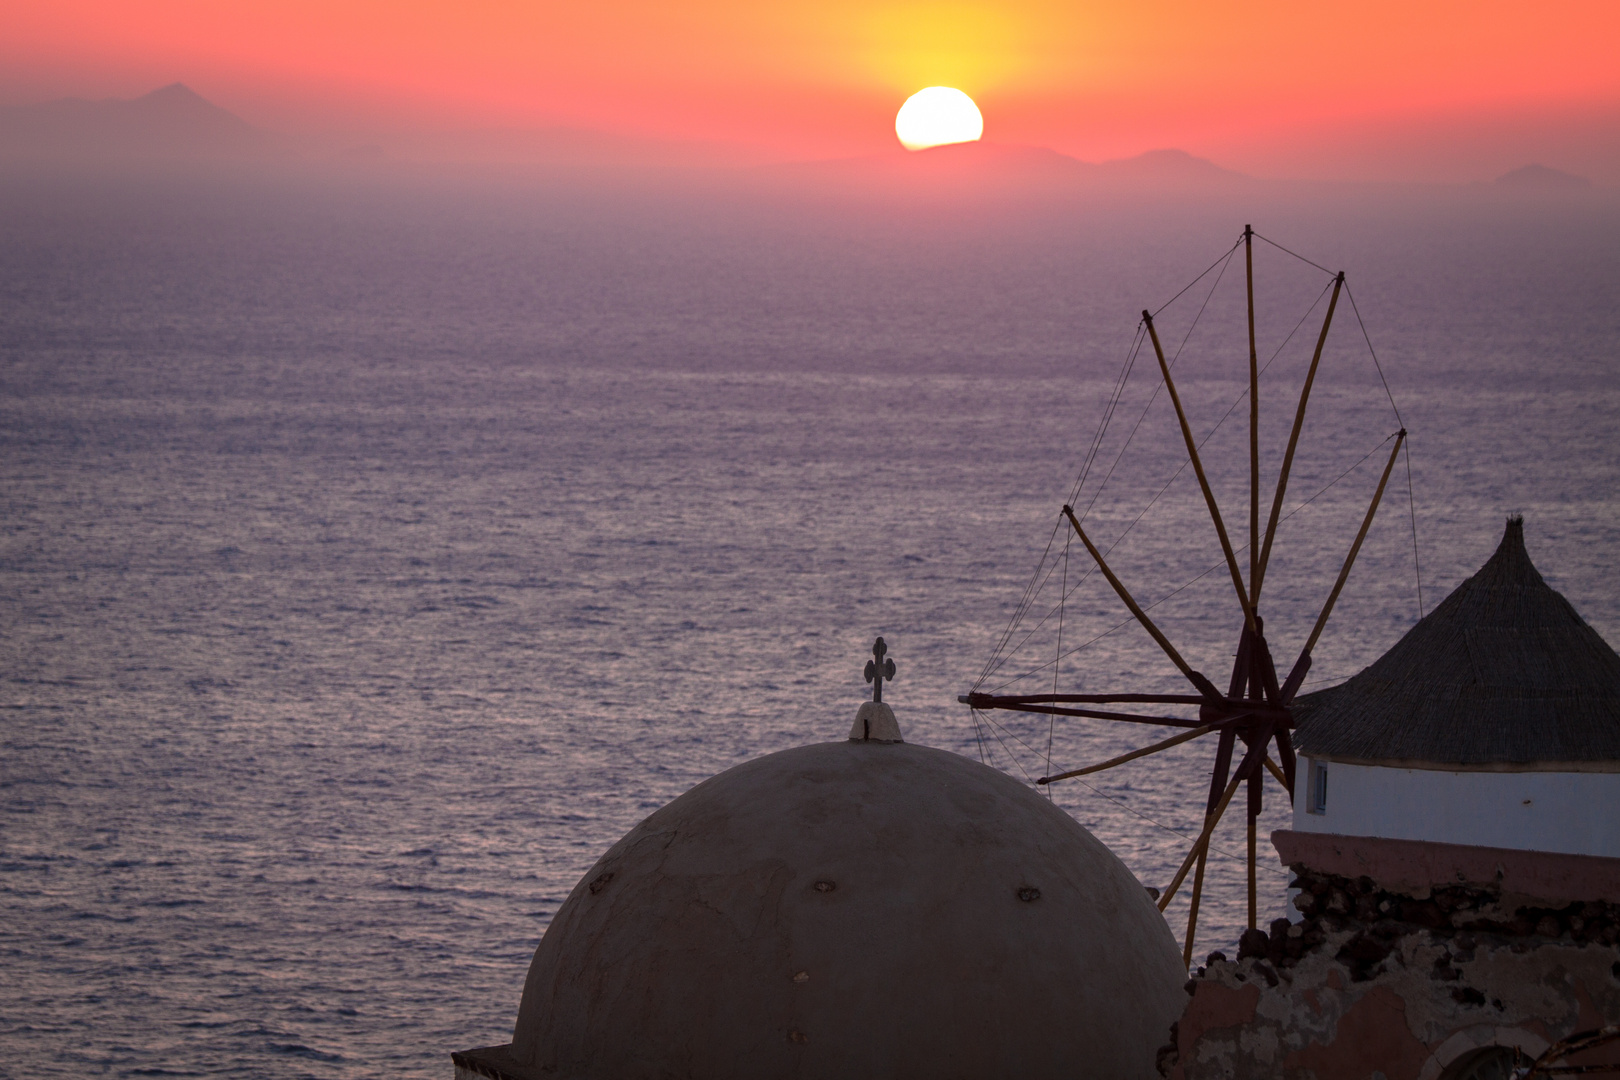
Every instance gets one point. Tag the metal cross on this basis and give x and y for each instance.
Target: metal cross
(878, 669)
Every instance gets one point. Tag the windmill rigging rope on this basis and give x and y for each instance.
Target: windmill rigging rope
(978, 736)
(1226, 261)
(993, 730)
(1411, 504)
(1037, 582)
(1177, 832)
(1057, 661)
(1224, 416)
(1194, 580)
(1013, 735)
(1295, 254)
(997, 659)
(1374, 353)
(1229, 251)
(1208, 436)
(1115, 396)
(1411, 500)
(1201, 443)
(1353, 307)
(1033, 587)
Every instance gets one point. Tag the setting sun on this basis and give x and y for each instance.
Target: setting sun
(936, 116)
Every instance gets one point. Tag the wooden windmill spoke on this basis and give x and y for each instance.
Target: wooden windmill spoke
(1174, 740)
(1222, 763)
(1285, 750)
(1240, 665)
(1293, 441)
(993, 701)
(1217, 784)
(1247, 766)
(1253, 673)
(1297, 676)
(1203, 685)
(1192, 908)
(1095, 714)
(1198, 469)
(1218, 711)
(1256, 803)
(1271, 767)
(1223, 768)
(1254, 429)
(1201, 843)
(1254, 886)
(1266, 674)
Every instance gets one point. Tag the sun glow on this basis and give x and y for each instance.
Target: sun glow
(938, 115)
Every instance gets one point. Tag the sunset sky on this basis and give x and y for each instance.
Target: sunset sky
(1270, 86)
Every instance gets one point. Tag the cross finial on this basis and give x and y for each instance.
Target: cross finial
(878, 669)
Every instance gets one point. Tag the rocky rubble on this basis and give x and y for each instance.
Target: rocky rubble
(1397, 984)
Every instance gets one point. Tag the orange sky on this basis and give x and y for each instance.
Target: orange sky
(816, 79)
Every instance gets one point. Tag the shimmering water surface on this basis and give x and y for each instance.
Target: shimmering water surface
(375, 554)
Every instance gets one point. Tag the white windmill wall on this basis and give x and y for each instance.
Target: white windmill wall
(1570, 812)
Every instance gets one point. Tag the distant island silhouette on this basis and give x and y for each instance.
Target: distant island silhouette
(171, 121)
(175, 123)
(1542, 178)
(993, 164)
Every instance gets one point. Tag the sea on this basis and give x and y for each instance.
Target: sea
(380, 544)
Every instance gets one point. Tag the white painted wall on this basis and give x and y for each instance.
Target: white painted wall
(1575, 813)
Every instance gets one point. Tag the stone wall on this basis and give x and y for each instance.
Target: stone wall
(1401, 985)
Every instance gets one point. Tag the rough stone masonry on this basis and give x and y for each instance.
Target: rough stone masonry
(1409, 985)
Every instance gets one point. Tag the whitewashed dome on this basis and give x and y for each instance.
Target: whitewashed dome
(858, 908)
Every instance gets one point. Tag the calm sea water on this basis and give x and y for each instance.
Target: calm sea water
(376, 553)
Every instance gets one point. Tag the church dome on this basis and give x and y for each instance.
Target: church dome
(858, 908)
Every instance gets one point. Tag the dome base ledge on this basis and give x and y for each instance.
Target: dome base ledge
(491, 1063)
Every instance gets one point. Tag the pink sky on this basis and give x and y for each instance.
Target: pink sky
(1436, 89)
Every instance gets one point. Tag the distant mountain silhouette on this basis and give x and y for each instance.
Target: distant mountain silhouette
(982, 155)
(1542, 178)
(976, 164)
(172, 121)
(565, 147)
(176, 123)
(1170, 165)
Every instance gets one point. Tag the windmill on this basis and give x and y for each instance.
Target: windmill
(1256, 710)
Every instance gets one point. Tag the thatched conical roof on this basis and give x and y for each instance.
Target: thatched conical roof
(1502, 674)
